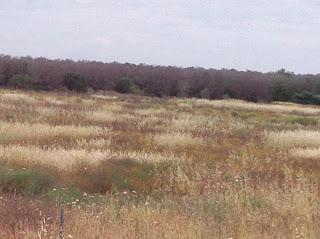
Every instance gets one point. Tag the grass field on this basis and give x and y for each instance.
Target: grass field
(136, 167)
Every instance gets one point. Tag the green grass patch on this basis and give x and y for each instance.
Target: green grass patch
(113, 175)
(24, 181)
(305, 121)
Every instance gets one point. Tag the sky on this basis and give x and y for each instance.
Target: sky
(262, 35)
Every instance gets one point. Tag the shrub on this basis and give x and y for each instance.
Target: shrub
(75, 82)
(26, 182)
(125, 85)
(306, 97)
(20, 81)
(112, 174)
(280, 92)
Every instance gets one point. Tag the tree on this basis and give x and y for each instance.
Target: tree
(125, 85)
(280, 92)
(20, 81)
(306, 97)
(75, 82)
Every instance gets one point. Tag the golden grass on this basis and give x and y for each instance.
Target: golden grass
(296, 138)
(61, 158)
(177, 139)
(103, 97)
(306, 153)
(67, 158)
(10, 132)
(54, 101)
(167, 168)
(242, 105)
(100, 116)
(17, 97)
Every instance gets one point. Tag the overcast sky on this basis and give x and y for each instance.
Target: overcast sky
(263, 35)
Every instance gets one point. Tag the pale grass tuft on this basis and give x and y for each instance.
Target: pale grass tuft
(150, 111)
(54, 101)
(113, 107)
(15, 96)
(66, 158)
(59, 157)
(307, 153)
(297, 138)
(25, 131)
(104, 97)
(177, 139)
(193, 122)
(99, 116)
(94, 143)
(243, 105)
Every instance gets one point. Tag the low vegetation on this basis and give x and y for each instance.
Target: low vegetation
(129, 166)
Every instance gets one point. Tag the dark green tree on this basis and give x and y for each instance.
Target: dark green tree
(20, 81)
(280, 92)
(306, 97)
(125, 85)
(76, 82)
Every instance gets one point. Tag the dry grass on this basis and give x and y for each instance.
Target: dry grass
(11, 132)
(306, 153)
(174, 140)
(296, 138)
(140, 167)
(276, 107)
(17, 97)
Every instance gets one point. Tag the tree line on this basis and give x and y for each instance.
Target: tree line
(160, 81)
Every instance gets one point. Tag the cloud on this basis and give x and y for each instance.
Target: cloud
(259, 35)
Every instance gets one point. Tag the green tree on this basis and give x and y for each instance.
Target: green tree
(306, 97)
(280, 92)
(125, 85)
(76, 82)
(20, 81)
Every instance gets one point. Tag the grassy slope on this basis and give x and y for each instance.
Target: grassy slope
(138, 167)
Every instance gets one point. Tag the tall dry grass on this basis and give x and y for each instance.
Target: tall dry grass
(139, 167)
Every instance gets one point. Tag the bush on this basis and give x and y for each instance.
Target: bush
(26, 182)
(112, 174)
(20, 81)
(76, 82)
(306, 97)
(280, 92)
(305, 121)
(125, 85)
